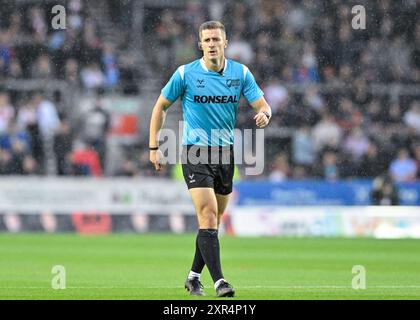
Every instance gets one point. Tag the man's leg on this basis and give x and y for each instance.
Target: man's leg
(223, 288)
(198, 262)
(206, 205)
(222, 202)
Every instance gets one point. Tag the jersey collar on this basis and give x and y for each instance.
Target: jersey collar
(203, 65)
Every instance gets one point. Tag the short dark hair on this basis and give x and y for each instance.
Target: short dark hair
(209, 25)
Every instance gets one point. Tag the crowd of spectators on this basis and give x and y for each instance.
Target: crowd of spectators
(316, 71)
(34, 126)
(30, 47)
(31, 122)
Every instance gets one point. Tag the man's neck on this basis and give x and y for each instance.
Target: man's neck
(215, 64)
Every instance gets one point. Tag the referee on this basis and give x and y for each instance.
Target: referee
(210, 89)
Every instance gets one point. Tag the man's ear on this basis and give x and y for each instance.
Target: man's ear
(200, 47)
(226, 43)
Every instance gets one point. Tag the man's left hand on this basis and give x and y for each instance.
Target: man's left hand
(261, 119)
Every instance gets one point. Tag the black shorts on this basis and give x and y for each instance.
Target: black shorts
(208, 167)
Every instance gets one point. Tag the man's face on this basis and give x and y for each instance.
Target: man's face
(213, 43)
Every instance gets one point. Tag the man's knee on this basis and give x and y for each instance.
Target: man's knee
(208, 215)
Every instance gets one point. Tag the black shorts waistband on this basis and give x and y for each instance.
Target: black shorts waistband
(208, 148)
(207, 154)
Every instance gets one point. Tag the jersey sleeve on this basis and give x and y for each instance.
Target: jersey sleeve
(175, 86)
(250, 90)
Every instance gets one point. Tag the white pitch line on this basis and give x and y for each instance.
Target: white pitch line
(238, 287)
(301, 287)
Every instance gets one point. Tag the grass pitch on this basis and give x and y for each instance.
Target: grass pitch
(155, 266)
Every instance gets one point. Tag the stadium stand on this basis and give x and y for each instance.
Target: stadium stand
(345, 102)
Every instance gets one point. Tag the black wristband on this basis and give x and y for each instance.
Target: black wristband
(153, 148)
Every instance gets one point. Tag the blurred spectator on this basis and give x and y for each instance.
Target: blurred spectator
(346, 45)
(38, 117)
(347, 115)
(15, 140)
(74, 17)
(374, 113)
(303, 152)
(307, 71)
(29, 166)
(85, 160)
(15, 23)
(326, 133)
(240, 50)
(5, 52)
(90, 47)
(372, 163)
(264, 65)
(17, 143)
(412, 116)
(57, 40)
(360, 94)
(110, 66)
(46, 113)
(65, 44)
(166, 32)
(7, 112)
(403, 168)
(38, 24)
(276, 95)
(15, 70)
(398, 59)
(356, 144)
(71, 72)
(329, 76)
(415, 55)
(95, 126)
(92, 77)
(416, 149)
(329, 169)
(368, 64)
(43, 68)
(394, 115)
(6, 162)
(313, 99)
(63, 146)
(27, 120)
(280, 169)
(300, 173)
(384, 192)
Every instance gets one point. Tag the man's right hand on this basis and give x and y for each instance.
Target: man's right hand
(157, 159)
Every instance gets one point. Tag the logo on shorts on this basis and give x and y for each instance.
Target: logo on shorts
(191, 176)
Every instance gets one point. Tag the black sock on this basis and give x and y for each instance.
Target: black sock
(198, 262)
(208, 242)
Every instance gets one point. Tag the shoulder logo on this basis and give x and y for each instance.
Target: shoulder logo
(200, 83)
(233, 83)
